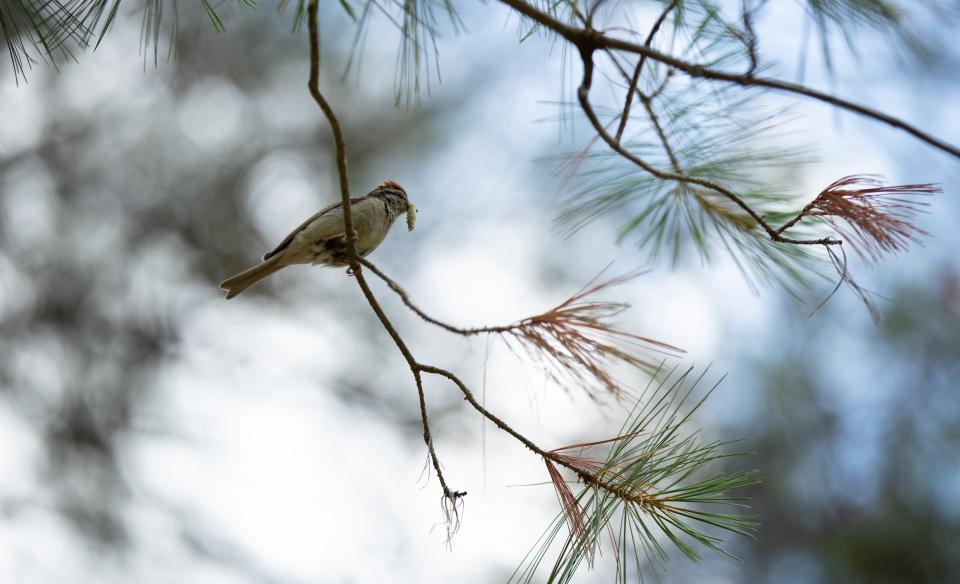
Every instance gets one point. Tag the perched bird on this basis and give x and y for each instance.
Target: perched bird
(321, 239)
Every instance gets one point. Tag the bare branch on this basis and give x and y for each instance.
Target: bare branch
(314, 85)
(571, 335)
(452, 500)
(419, 312)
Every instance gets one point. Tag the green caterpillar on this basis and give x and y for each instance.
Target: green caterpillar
(411, 216)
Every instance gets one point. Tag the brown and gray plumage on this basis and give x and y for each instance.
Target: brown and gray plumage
(321, 239)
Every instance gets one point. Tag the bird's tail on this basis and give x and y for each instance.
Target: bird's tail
(247, 278)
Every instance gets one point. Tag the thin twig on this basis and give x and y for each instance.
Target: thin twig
(751, 39)
(636, 72)
(587, 477)
(314, 85)
(651, 115)
(464, 331)
(573, 341)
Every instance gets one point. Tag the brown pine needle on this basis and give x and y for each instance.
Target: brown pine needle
(578, 346)
(571, 510)
(880, 218)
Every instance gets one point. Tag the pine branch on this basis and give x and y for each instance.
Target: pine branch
(879, 224)
(654, 477)
(893, 17)
(587, 41)
(583, 94)
(581, 315)
(57, 29)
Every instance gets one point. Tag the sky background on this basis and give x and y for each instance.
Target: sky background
(152, 432)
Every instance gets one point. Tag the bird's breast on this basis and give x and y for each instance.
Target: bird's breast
(370, 221)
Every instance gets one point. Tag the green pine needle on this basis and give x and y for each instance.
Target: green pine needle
(53, 30)
(672, 496)
(724, 137)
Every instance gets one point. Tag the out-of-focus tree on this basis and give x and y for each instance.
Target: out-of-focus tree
(111, 239)
(860, 461)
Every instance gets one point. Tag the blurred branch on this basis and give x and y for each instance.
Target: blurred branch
(60, 28)
(750, 36)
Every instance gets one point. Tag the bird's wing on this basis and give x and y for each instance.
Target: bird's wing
(286, 240)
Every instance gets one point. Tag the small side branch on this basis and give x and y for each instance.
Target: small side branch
(463, 331)
(636, 72)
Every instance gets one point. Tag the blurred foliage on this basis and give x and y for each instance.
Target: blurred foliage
(856, 429)
(115, 228)
(898, 19)
(57, 30)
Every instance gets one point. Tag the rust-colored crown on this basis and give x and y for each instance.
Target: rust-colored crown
(391, 185)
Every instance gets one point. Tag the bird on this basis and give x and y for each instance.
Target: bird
(321, 239)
